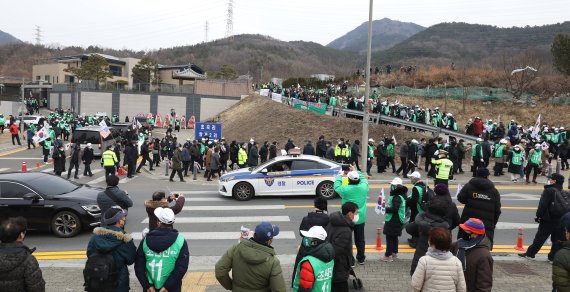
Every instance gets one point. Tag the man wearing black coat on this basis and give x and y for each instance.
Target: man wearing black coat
(131, 155)
(355, 154)
(482, 200)
(263, 152)
(253, 157)
(309, 149)
(87, 159)
(321, 147)
(273, 150)
(74, 161)
(145, 152)
(547, 222)
(339, 234)
(431, 148)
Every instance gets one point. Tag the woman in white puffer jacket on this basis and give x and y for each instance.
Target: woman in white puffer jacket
(439, 270)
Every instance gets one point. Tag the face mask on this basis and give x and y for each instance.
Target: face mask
(355, 219)
(466, 236)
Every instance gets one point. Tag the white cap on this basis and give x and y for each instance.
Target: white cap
(479, 140)
(414, 141)
(503, 141)
(517, 147)
(415, 174)
(371, 140)
(165, 215)
(317, 232)
(89, 145)
(353, 175)
(537, 145)
(251, 140)
(396, 181)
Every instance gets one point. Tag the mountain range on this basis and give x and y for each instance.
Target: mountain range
(6, 38)
(396, 43)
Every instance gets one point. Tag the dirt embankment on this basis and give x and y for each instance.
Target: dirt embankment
(265, 120)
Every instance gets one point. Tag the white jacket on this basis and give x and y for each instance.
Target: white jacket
(439, 275)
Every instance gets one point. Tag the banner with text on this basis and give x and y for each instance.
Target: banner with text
(316, 107)
(276, 97)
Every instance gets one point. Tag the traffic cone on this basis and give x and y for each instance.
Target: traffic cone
(379, 239)
(24, 167)
(121, 171)
(520, 246)
(37, 165)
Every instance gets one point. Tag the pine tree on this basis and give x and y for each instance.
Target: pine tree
(561, 53)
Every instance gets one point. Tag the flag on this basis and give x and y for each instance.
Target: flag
(104, 129)
(536, 129)
(139, 125)
(459, 187)
(381, 204)
(41, 135)
(394, 139)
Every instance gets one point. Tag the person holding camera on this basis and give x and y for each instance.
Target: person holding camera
(159, 199)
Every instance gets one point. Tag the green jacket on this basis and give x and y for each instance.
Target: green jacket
(354, 193)
(254, 267)
(561, 268)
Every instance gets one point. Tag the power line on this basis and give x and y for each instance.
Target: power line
(230, 22)
(38, 35)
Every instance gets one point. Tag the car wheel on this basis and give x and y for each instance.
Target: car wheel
(326, 190)
(243, 191)
(65, 224)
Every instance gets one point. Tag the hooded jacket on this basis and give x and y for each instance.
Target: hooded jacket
(309, 149)
(254, 266)
(478, 266)
(394, 226)
(19, 270)
(159, 240)
(482, 200)
(420, 228)
(353, 193)
(323, 252)
(114, 239)
(452, 215)
(561, 268)
(105, 202)
(546, 199)
(339, 234)
(150, 205)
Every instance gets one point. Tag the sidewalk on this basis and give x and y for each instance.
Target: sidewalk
(510, 275)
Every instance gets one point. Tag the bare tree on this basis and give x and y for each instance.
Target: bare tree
(520, 71)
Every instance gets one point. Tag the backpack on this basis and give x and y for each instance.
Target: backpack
(100, 273)
(560, 204)
(427, 195)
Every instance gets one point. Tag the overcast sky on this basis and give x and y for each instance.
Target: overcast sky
(151, 24)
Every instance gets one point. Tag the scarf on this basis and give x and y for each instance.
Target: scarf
(438, 254)
(464, 245)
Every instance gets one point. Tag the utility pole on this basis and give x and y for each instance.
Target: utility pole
(22, 106)
(364, 142)
(38, 35)
(206, 32)
(229, 21)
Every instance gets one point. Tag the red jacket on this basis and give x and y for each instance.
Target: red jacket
(477, 127)
(13, 129)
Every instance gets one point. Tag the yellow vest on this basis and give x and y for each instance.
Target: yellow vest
(109, 158)
(443, 167)
(242, 156)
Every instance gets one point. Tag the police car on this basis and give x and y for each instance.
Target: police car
(288, 175)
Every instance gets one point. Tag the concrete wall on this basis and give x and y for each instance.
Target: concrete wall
(167, 102)
(65, 100)
(53, 100)
(221, 88)
(9, 108)
(211, 107)
(92, 102)
(134, 104)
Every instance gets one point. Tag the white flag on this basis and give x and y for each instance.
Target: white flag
(104, 129)
(394, 139)
(536, 129)
(459, 187)
(381, 204)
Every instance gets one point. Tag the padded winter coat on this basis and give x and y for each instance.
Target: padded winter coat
(434, 275)
(482, 201)
(19, 270)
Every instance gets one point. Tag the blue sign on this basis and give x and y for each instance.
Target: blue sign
(212, 130)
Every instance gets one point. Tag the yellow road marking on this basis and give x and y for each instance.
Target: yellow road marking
(13, 151)
(66, 252)
(61, 257)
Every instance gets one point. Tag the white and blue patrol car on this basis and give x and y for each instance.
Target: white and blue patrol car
(289, 175)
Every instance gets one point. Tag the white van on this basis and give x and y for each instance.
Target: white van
(91, 134)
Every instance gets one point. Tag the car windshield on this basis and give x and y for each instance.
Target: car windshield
(51, 185)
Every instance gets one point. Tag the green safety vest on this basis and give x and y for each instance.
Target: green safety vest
(420, 198)
(474, 150)
(401, 211)
(517, 158)
(160, 265)
(332, 101)
(390, 150)
(443, 168)
(47, 144)
(323, 274)
(370, 151)
(202, 149)
(536, 157)
(109, 158)
(555, 138)
(499, 150)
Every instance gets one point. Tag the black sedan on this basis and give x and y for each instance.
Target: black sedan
(49, 202)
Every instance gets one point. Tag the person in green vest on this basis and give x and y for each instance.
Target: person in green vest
(499, 155)
(162, 257)
(563, 135)
(151, 123)
(46, 148)
(394, 219)
(414, 201)
(443, 168)
(534, 160)
(515, 159)
(315, 270)
(2, 123)
(356, 192)
(390, 155)
(253, 263)
(370, 156)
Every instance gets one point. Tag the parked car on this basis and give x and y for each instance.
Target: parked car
(49, 202)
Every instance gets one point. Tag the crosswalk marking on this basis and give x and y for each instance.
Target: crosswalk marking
(232, 208)
(217, 235)
(96, 181)
(229, 219)
(4, 169)
(202, 199)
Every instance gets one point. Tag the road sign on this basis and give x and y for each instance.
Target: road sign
(212, 130)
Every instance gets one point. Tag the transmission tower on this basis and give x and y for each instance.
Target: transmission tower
(38, 35)
(206, 32)
(230, 22)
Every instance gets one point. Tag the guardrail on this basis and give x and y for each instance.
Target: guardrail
(376, 118)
